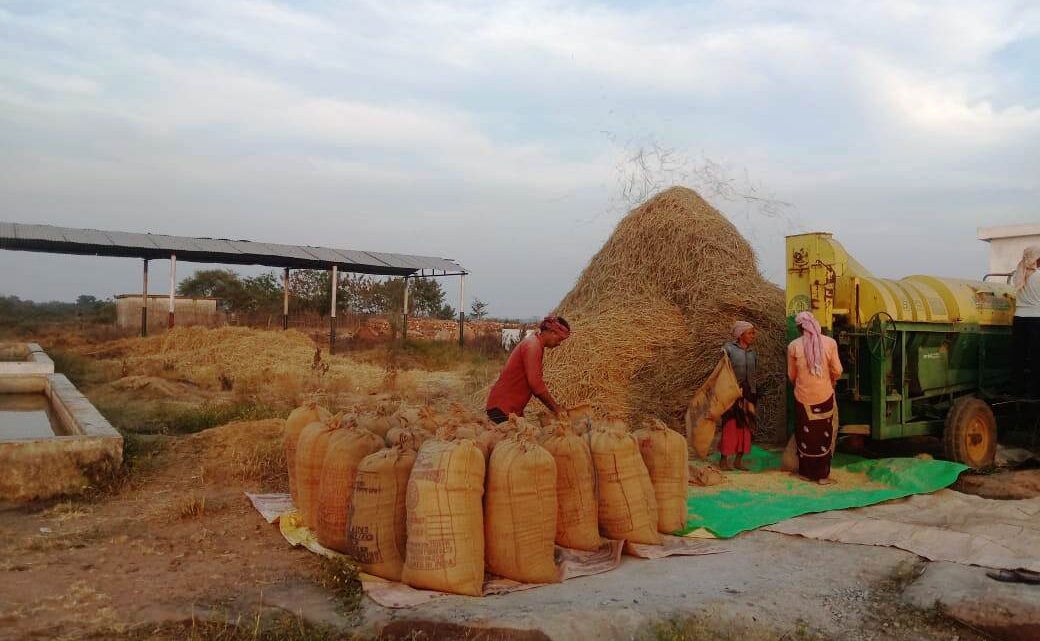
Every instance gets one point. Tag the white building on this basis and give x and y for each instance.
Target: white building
(1006, 244)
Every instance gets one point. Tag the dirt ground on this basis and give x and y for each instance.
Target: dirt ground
(174, 549)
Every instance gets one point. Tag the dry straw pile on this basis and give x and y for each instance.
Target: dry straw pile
(652, 309)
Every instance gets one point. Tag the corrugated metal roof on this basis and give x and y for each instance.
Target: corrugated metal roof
(67, 240)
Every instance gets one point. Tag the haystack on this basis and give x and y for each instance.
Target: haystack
(652, 309)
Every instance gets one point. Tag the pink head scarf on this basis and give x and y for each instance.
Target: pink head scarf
(553, 324)
(740, 327)
(1026, 266)
(812, 342)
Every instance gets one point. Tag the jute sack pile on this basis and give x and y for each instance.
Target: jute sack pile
(627, 506)
(664, 452)
(298, 419)
(377, 530)
(577, 524)
(344, 451)
(520, 513)
(445, 516)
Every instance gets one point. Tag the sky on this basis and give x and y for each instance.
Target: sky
(504, 134)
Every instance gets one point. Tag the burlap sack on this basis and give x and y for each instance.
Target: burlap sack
(378, 423)
(298, 419)
(445, 549)
(706, 476)
(664, 452)
(627, 506)
(407, 436)
(377, 530)
(577, 521)
(344, 452)
(489, 437)
(520, 511)
(310, 460)
(709, 403)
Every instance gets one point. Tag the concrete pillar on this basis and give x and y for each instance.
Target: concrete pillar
(285, 299)
(332, 317)
(144, 300)
(404, 312)
(462, 310)
(173, 289)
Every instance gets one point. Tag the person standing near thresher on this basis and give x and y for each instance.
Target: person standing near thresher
(1025, 332)
(739, 420)
(521, 378)
(813, 367)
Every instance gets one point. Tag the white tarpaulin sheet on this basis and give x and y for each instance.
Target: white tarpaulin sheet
(944, 526)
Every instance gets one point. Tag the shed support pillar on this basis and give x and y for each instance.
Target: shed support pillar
(404, 312)
(462, 310)
(332, 315)
(285, 299)
(173, 289)
(144, 300)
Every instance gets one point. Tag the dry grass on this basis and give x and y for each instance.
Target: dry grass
(191, 506)
(654, 306)
(249, 451)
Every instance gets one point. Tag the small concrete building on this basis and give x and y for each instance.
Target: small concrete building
(1006, 244)
(188, 311)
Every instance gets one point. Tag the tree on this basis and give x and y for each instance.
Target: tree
(86, 302)
(446, 312)
(217, 283)
(478, 309)
(428, 295)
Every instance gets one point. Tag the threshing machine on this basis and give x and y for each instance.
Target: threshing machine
(922, 355)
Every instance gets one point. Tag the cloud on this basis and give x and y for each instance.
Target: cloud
(492, 131)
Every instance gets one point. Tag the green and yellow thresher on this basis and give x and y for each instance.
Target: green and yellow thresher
(922, 355)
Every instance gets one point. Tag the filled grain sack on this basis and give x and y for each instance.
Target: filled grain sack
(298, 419)
(580, 417)
(577, 523)
(346, 448)
(664, 453)
(310, 459)
(445, 549)
(377, 529)
(627, 507)
(520, 511)
(405, 415)
(706, 475)
(428, 420)
(410, 436)
(709, 403)
(378, 422)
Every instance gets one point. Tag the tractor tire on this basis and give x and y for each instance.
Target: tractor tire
(970, 436)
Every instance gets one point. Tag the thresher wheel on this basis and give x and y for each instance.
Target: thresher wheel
(881, 335)
(970, 436)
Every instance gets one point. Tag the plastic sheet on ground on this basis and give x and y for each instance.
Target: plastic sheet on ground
(945, 526)
(271, 506)
(729, 509)
(391, 594)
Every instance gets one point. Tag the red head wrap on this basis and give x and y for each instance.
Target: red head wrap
(553, 324)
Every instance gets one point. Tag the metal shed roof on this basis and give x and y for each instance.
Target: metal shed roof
(67, 240)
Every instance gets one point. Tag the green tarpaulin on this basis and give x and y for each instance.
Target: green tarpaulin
(728, 512)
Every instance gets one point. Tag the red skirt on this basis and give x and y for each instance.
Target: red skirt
(736, 438)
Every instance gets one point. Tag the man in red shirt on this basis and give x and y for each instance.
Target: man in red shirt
(522, 376)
